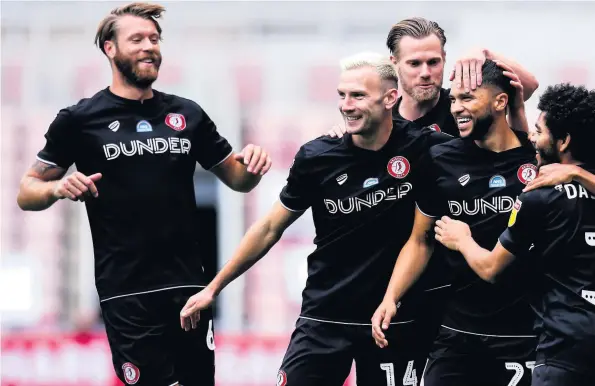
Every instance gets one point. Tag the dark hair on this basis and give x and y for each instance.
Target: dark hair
(493, 76)
(107, 28)
(571, 110)
(416, 27)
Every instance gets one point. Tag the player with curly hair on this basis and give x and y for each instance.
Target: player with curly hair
(557, 225)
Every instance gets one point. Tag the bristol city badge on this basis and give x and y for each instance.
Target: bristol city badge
(527, 173)
(281, 378)
(131, 373)
(175, 121)
(398, 167)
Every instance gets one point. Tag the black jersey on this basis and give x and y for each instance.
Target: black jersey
(143, 222)
(479, 187)
(363, 205)
(558, 225)
(438, 119)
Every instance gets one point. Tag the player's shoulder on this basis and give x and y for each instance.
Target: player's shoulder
(172, 100)
(543, 195)
(320, 145)
(565, 191)
(411, 130)
(453, 146)
(86, 106)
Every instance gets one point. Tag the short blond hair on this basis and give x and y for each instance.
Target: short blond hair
(107, 27)
(379, 62)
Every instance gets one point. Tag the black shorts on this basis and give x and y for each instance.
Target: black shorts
(547, 375)
(462, 359)
(150, 348)
(321, 354)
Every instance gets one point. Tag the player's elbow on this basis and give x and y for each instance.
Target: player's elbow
(27, 204)
(22, 199)
(488, 273)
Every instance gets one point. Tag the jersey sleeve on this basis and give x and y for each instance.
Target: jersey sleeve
(60, 140)
(296, 195)
(525, 219)
(209, 148)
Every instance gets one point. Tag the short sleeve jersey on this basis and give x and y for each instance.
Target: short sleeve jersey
(363, 206)
(479, 187)
(558, 225)
(143, 222)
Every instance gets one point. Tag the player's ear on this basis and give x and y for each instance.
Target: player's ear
(501, 102)
(390, 98)
(109, 48)
(564, 143)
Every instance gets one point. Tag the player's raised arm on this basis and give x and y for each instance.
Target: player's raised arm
(243, 171)
(44, 183)
(294, 200)
(36, 191)
(259, 239)
(524, 222)
(555, 174)
(410, 264)
(456, 235)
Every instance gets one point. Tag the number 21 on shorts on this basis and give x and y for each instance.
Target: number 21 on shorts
(519, 371)
(409, 378)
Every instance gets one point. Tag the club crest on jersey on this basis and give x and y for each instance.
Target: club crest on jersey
(281, 378)
(176, 121)
(527, 173)
(143, 127)
(497, 181)
(398, 167)
(515, 209)
(370, 182)
(434, 127)
(131, 373)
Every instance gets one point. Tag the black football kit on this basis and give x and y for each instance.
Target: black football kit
(362, 205)
(486, 336)
(558, 225)
(144, 225)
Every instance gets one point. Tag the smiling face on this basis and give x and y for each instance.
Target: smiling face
(420, 67)
(472, 111)
(135, 50)
(363, 100)
(544, 143)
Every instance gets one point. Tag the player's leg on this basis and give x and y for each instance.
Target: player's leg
(514, 360)
(136, 337)
(400, 363)
(455, 360)
(194, 350)
(547, 375)
(319, 354)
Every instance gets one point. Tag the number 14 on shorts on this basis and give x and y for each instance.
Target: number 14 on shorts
(409, 378)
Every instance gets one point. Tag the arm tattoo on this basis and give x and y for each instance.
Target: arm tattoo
(46, 172)
(42, 168)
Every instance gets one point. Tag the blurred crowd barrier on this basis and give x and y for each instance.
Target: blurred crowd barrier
(266, 72)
